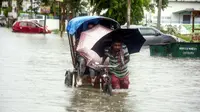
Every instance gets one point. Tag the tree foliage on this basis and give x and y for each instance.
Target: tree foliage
(76, 6)
(19, 5)
(164, 3)
(117, 9)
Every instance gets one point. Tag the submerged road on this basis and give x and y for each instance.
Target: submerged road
(32, 68)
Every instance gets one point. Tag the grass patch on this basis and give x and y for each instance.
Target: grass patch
(187, 38)
(189, 27)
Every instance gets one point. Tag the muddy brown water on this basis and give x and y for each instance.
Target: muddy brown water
(32, 68)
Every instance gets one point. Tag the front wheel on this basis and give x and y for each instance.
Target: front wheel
(107, 88)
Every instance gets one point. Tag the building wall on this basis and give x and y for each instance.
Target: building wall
(51, 24)
(167, 15)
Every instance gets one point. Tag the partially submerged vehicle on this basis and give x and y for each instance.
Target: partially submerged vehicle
(90, 43)
(29, 26)
(75, 28)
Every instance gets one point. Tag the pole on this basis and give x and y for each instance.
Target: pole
(146, 20)
(45, 17)
(159, 14)
(61, 21)
(193, 22)
(128, 13)
(31, 9)
(59, 16)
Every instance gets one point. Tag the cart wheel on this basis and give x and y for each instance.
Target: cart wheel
(107, 89)
(68, 78)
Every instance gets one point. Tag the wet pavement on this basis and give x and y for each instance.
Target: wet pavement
(32, 68)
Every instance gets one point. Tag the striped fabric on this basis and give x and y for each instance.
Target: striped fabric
(122, 70)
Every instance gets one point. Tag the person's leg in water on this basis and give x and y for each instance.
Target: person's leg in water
(115, 82)
(124, 82)
(92, 75)
(81, 69)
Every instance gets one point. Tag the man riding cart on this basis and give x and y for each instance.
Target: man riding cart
(94, 38)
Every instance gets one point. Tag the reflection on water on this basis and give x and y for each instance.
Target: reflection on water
(92, 100)
(32, 71)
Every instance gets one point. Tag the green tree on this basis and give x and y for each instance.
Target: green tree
(19, 6)
(47, 2)
(75, 6)
(164, 3)
(117, 9)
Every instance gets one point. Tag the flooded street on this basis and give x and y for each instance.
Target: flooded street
(32, 69)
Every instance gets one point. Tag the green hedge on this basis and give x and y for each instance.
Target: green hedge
(189, 27)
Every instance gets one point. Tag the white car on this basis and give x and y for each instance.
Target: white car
(153, 35)
(2, 21)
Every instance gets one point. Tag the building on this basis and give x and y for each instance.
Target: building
(27, 3)
(177, 12)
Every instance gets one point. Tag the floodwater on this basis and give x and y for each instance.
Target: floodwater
(32, 69)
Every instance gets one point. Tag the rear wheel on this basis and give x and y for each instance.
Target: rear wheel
(68, 78)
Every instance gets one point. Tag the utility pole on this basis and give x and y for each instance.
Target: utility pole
(128, 13)
(159, 14)
(31, 9)
(59, 15)
(62, 20)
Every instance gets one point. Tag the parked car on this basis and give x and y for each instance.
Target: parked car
(153, 35)
(2, 21)
(28, 26)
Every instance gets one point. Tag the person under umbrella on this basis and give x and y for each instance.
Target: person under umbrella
(117, 45)
(118, 55)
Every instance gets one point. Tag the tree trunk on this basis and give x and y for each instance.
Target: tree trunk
(54, 8)
(159, 14)
(128, 13)
(59, 16)
(1, 3)
(9, 3)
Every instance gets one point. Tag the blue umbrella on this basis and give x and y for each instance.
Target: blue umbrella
(132, 38)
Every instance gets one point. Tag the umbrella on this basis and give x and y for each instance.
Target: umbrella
(88, 39)
(132, 38)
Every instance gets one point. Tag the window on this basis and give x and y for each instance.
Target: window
(39, 17)
(147, 31)
(31, 25)
(39, 24)
(22, 24)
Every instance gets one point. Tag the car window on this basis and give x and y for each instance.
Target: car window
(39, 24)
(23, 24)
(147, 31)
(39, 17)
(31, 25)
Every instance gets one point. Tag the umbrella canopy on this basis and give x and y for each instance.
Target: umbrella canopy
(88, 39)
(132, 38)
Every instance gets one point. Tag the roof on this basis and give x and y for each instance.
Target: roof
(26, 20)
(184, 10)
(75, 23)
